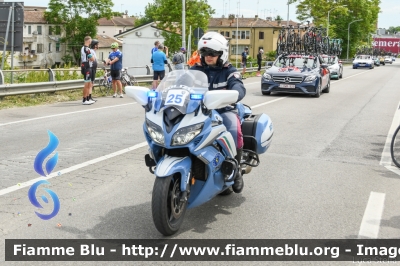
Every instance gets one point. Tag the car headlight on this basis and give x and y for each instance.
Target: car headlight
(310, 78)
(267, 76)
(186, 134)
(155, 132)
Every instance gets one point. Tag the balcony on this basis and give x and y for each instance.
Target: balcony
(30, 39)
(27, 58)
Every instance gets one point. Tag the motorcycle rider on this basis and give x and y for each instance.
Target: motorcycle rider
(213, 48)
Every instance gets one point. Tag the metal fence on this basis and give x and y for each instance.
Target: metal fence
(54, 85)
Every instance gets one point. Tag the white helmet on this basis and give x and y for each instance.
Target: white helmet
(214, 42)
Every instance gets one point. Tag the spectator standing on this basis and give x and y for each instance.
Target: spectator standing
(94, 45)
(159, 59)
(179, 59)
(86, 69)
(155, 48)
(259, 59)
(245, 54)
(115, 62)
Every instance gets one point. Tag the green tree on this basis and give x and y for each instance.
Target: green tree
(394, 30)
(340, 17)
(168, 15)
(68, 15)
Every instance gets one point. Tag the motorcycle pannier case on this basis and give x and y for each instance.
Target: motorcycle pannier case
(257, 133)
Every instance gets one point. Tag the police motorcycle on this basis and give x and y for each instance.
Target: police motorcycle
(191, 153)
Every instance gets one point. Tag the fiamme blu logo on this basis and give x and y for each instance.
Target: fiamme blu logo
(50, 165)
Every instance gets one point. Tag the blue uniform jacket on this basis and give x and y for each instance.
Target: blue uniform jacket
(226, 77)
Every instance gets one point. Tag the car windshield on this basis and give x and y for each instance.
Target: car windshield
(177, 87)
(363, 57)
(299, 62)
(331, 60)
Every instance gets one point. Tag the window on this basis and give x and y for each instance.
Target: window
(39, 30)
(39, 48)
(57, 46)
(120, 31)
(58, 30)
(50, 30)
(225, 33)
(261, 35)
(242, 34)
(240, 49)
(49, 46)
(29, 29)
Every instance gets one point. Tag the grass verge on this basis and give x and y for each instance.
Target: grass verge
(7, 102)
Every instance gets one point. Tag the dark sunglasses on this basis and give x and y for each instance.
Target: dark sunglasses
(210, 53)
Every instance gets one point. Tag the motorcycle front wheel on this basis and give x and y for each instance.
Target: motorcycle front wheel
(167, 209)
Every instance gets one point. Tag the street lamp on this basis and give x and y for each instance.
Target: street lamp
(348, 36)
(327, 30)
(287, 22)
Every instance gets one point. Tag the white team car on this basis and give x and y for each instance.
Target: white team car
(388, 59)
(335, 66)
(363, 61)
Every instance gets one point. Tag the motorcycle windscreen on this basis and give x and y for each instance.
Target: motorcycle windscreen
(182, 89)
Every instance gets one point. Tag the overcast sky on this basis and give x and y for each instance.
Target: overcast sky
(390, 15)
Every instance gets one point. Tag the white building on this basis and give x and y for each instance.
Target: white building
(41, 45)
(115, 25)
(138, 43)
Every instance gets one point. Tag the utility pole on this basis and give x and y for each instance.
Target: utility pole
(183, 25)
(348, 37)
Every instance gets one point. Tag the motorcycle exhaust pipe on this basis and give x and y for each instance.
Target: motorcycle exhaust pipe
(247, 169)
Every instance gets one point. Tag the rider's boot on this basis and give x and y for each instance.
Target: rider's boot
(238, 182)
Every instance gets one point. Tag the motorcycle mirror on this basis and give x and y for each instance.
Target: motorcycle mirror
(138, 93)
(220, 98)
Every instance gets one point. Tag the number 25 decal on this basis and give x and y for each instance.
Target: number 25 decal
(174, 98)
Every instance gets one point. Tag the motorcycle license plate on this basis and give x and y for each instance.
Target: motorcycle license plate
(176, 97)
(287, 86)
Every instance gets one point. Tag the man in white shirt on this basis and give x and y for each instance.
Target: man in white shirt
(94, 45)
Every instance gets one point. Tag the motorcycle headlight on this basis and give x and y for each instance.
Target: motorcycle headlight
(267, 76)
(155, 132)
(185, 135)
(310, 78)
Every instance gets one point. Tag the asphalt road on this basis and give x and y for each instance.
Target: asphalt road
(322, 177)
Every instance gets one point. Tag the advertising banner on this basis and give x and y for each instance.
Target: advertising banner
(387, 44)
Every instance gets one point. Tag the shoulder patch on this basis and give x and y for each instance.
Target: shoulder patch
(237, 75)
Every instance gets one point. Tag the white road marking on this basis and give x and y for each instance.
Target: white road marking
(69, 113)
(386, 158)
(372, 216)
(261, 104)
(72, 168)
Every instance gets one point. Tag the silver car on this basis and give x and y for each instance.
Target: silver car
(335, 66)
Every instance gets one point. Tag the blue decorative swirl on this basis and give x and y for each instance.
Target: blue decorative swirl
(34, 201)
(51, 163)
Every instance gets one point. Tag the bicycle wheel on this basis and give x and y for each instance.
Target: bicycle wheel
(395, 147)
(102, 86)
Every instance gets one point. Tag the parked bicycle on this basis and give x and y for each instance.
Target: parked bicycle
(128, 80)
(105, 83)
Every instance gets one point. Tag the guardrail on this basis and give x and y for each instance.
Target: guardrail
(53, 85)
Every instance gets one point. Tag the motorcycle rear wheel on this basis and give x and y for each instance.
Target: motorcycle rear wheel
(168, 212)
